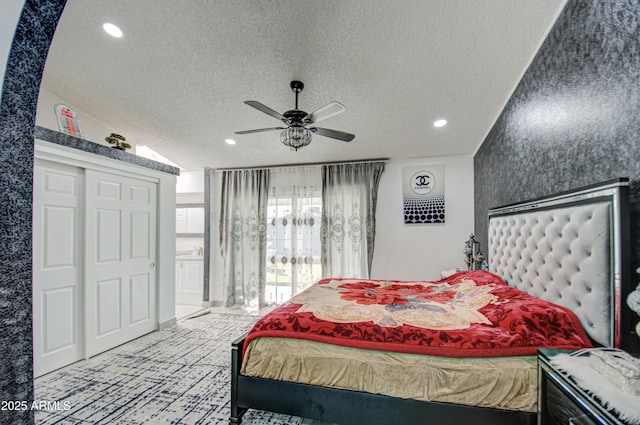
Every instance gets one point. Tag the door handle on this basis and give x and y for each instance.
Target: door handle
(152, 265)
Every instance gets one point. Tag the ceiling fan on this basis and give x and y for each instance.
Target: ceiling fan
(297, 132)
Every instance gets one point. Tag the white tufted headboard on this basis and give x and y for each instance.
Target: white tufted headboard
(566, 249)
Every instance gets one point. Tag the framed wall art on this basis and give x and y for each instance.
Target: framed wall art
(67, 120)
(423, 194)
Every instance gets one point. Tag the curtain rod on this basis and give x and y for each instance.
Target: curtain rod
(364, 161)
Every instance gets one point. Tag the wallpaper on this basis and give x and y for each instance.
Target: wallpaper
(574, 119)
(17, 121)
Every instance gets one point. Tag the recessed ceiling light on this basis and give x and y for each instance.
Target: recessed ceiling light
(440, 123)
(230, 141)
(112, 30)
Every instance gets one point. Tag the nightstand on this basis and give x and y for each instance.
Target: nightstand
(561, 401)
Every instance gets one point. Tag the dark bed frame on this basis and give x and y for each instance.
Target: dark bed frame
(353, 407)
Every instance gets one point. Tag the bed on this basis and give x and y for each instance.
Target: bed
(569, 249)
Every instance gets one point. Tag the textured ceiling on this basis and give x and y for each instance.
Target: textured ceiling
(177, 79)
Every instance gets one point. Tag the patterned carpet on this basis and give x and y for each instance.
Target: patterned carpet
(179, 375)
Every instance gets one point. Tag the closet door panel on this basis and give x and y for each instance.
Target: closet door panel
(59, 249)
(108, 236)
(108, 307)
(57, 266)
(140, 288)
(59, 322)
(141, 235)
(120, 259)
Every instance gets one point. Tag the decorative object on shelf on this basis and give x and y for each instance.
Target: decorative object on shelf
(423, 194)
(67, 120)
(118, 141)
(473, 257)
(633, 301)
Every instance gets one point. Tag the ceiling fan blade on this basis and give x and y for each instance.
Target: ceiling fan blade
(260, 130)
(263, 108)
(327, 111)
(334, 134)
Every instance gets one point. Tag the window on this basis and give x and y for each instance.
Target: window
(294, 215)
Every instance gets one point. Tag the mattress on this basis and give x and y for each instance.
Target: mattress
(508, 383)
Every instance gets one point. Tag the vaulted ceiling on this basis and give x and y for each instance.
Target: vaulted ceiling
(177, 79)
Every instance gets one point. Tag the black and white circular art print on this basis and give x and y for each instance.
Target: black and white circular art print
(423, 194)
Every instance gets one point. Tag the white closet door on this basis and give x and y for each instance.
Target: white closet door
(57, 266)
(120, 259)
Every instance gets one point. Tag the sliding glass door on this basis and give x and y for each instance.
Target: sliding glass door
(294, 214)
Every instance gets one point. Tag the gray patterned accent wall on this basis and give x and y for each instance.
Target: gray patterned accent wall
(574, 119)
(17, 121)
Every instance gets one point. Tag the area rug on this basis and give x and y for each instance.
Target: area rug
(180, 375)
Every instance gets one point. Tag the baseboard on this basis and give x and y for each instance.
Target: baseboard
(167, 324)
(207, 304)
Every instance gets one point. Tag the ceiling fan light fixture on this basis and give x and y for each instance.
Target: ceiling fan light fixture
(296, 134)
(295, 137)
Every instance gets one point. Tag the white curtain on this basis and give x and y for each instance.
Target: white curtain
(293, 231)
(243, 236)
(349, 195)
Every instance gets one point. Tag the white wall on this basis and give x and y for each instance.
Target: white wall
(191, 182)
(421, 252)
(9, 15)
(92, 129)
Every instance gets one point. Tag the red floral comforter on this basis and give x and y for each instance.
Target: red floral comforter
(469, 314)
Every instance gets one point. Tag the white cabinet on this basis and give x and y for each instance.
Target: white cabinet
(190, 220)
(181, 220)
(189, 281)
